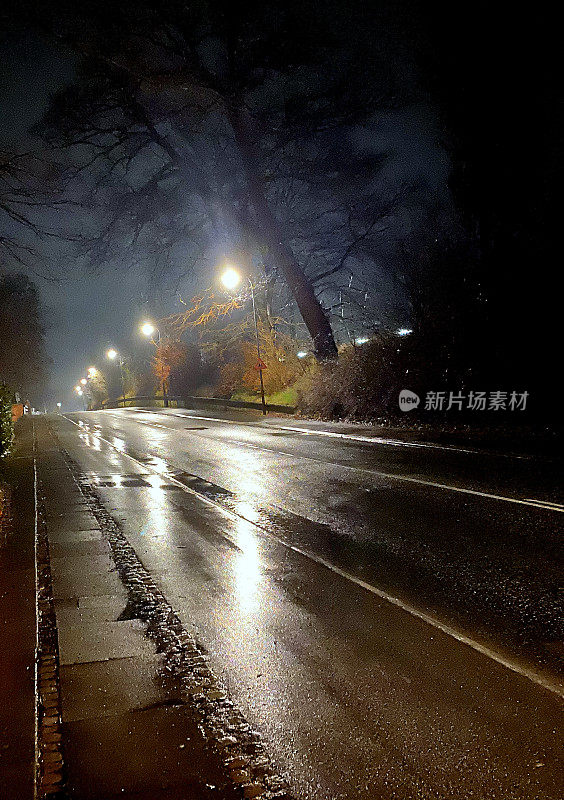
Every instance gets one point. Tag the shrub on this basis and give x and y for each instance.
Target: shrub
(362, 383)
(6, 426)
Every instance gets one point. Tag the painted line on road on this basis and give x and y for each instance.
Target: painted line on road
(357, 437)
(381, 440)
(545, 505)
(535, 676)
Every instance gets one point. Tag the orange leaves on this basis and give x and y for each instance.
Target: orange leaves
(168, 354)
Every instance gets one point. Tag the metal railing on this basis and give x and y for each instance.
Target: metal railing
(175, 401)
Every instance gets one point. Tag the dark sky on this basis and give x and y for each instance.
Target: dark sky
(84, 312)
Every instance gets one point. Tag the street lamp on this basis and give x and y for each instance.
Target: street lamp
(92, 372)
(80, 392)
(113, 354)
(231, 278)
(83, 381)
(148, 329)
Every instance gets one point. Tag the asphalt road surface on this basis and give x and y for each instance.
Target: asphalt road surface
(389, 617)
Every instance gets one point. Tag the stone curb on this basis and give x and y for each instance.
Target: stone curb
(50, 775)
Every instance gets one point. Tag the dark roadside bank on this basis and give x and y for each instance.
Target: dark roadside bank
(17, 618)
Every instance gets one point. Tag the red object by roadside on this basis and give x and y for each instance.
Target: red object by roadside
(17, 411)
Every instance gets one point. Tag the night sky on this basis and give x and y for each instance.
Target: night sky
(84, 312)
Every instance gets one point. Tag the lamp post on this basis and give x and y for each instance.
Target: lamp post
(231, 279)
(80, 392)
(148, 329)
(113, 354)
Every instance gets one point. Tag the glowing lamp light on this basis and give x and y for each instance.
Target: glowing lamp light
(59, 405)
(404, 331)
(230, 278)
(92, 371)
(111, 354)
(361, 340)
(147, 329)
(83, 381)
(301, 353)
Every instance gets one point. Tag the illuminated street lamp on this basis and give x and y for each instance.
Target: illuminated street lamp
(83, 381)
(78, 389)
(148, 329)
(112, 354)
(231, 278)
(92, 372)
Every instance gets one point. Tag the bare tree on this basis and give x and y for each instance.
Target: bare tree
(192, 104)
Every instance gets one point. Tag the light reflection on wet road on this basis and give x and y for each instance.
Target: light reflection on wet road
(354, 697)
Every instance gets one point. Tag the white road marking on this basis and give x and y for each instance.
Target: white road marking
(546, 505)
(381, 440)
(535, 676)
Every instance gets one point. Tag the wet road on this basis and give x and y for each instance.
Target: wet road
(387, 616)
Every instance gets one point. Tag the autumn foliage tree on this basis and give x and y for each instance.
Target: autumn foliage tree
(169, 354)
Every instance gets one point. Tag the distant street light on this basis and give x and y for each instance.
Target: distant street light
(148, 329)
(113, 354)
(92, 372)
(231, 278)
(83, 381)
(79, 391)
(59, 405)
(404, 331)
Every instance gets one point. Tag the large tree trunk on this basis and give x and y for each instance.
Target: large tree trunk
(269, 231)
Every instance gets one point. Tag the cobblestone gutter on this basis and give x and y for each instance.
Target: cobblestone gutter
(241, 750)
(49, 764)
